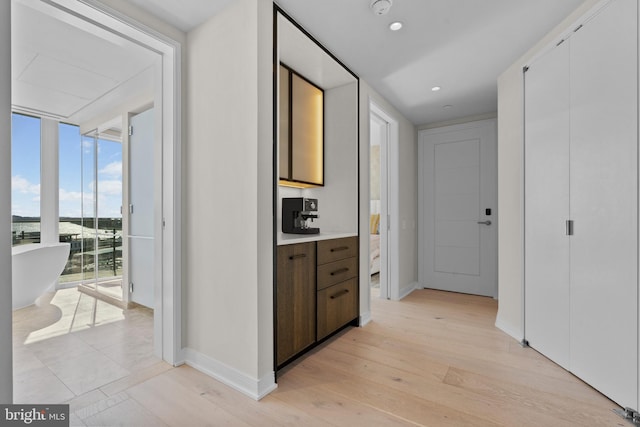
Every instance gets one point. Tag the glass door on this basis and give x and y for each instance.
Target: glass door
(101, 215)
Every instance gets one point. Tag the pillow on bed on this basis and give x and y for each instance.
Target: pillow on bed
(374, 224)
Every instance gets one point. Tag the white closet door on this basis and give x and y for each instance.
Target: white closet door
(604, 179)
(141, 219)
(547, 205)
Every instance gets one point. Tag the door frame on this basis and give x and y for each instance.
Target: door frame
(390, 199)
(167, 171)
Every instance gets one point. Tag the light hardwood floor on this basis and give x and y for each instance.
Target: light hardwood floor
(432, 359)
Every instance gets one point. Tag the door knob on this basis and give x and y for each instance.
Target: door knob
(485, 222)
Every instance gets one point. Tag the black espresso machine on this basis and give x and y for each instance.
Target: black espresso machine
(297, 212)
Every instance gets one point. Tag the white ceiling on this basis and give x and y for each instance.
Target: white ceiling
(460, 45)
(301, 54)
(65, 68)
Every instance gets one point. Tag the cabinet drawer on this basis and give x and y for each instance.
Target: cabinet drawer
(336, 249)
(337, 306)
(336, 272)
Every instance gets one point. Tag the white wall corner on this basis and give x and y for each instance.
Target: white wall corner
(513, 331)
(406, 290)
(365, 318)
(251, 387)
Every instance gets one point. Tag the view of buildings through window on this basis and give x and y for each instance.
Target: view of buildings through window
(90, 196)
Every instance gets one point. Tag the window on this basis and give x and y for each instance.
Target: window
(70, 199)
(25, 179)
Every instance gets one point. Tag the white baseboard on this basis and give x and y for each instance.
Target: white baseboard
(255, 389)
(515, 333)
(365, 318)
(407, 290)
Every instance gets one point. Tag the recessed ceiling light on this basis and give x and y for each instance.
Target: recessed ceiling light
(395, 26)
(446, 107)
(436, 88)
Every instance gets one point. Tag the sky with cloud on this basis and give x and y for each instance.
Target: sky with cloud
(77, 172)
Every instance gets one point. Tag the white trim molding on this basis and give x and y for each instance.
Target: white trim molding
(406, 290)
(513, 332)
(393, 202)
(254, 388)
(365, 318)
(168, 102)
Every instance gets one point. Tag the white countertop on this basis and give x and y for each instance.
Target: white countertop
(290, 239)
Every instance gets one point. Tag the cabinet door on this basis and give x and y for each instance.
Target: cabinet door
(547, 205)
(307, 131)
(604, 180)
(337, 305)
(295, 299)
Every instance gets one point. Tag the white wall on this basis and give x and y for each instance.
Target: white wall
(407, 194)
(338, 199)
(6, 364)
(265, 195)
(228, 254)
(510, 183)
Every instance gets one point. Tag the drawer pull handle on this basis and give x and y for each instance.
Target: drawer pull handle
(339, 271)
(339, 294)
(298, 256)
(341, 248)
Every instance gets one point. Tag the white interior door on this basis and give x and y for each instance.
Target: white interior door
(547, 248)
(604, 188)
(458, 219)
(141, 215)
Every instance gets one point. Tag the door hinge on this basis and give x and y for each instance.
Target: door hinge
(130, 130)
(131, 287)
(131, 209)
(388, 222)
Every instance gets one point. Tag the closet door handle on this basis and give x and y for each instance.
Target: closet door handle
(484, 222)
(339, 271)
(341, 248)
(569, 227)
(339, 294)
(298, 256)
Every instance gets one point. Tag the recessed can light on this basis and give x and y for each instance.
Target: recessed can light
(446, 107)
(395, 26)
(436, 88)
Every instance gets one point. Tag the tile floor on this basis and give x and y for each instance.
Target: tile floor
(70, 346)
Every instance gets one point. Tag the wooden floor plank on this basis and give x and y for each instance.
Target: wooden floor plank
(432, 359)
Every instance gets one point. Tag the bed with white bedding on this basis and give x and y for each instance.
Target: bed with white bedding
(374, 244)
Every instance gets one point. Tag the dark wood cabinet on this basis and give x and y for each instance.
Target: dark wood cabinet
(337, 284)
(295, 299)
(316, 293)
(336, 249)
(337, 306)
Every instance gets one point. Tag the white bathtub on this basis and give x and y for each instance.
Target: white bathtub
(35, 268)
